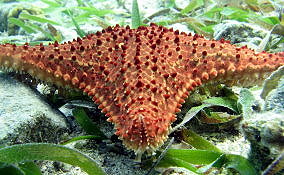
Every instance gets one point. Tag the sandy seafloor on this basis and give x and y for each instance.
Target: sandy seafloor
(21, 107)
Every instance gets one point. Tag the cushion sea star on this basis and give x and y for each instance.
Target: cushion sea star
(140, 77)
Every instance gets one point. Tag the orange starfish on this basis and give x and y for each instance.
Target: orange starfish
(140, 77)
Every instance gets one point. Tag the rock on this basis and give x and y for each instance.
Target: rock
(239, 33)
(265, 130)
(274, 101)
(242, 33)
(21, 106)
(26, 118)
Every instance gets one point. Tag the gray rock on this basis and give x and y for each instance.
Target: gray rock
(19, 105)
(241, 33)
(265, 132)
(26, 118)
(274, 101)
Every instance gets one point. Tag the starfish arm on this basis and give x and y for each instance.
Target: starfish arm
(52, 63)
(222, 62)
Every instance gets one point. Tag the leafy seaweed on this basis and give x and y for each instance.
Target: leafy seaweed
(96, 12)
(239, 163)
(52, 4)
(29, 167)
(38, 19)
(85, 122)
(38, 28)
(197, 141)
(245, 102)
(21, 24)
(187, 158)
(222, 101)
(194, 4)
(10, 169)
(226, 102)
(45, 151)
(193, 156)
(235, 13)
(81, 138)
(79, 31)
(190, 114)
(135, 15)
(272, 82)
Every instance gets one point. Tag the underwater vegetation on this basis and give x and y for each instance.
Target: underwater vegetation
(213, 106)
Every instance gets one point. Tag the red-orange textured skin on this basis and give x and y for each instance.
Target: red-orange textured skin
(140, 77)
